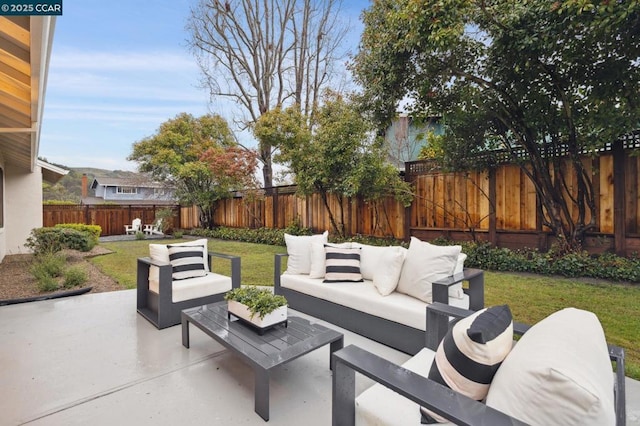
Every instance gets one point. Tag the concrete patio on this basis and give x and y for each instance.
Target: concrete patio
(92, 360)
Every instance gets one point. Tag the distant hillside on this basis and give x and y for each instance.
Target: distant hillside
(69, 188)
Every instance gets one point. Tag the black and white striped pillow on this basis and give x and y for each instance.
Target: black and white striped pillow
(342, 264)
(187, 261)
(470, 354)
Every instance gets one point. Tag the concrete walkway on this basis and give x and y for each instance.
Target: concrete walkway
(91, 360)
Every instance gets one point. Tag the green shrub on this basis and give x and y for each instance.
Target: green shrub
(46, 283)
(178, 234)
(59, 203)
(46, 269)
(258, 235)
(296, 228)
(74, 277)
(52, 240)
(579, 264)
(276, 236)
(51, 264)
(140, 235)
(93, 230)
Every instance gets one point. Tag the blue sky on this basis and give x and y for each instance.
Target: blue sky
(119, 69)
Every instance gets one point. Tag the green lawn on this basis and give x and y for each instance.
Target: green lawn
(530, 298)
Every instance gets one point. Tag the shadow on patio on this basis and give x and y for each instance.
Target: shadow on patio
(92, 359)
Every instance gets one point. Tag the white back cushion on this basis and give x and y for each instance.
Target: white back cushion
(558, 373)
(382, 265)
(160, 252)
(299, 251)
(424, 264)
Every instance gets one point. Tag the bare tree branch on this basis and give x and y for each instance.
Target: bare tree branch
(265, 53)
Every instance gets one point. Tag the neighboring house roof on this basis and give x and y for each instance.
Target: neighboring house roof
(51, 173)
(137, 181)
(140, 182)
(91, 201)
(24, 62)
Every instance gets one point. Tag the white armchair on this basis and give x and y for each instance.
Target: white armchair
(166, 284)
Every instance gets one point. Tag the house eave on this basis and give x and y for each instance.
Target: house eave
(25, 52)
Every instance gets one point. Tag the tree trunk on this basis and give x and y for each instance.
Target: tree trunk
(206, 217)
(267, 169)
(332, 219)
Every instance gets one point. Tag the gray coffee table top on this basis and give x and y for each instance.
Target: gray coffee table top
(275, 347)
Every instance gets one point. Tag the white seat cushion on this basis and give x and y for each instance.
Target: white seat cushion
(365, 297)
(192, 288)
(380, 406)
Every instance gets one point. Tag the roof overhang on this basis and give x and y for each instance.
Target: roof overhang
(25, 51)
(51, 173)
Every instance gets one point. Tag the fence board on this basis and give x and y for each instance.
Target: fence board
(606, 194)
(632, 195)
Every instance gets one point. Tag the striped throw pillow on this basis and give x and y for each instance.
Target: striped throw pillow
(470, 354)
(342, 264)
(187, 261)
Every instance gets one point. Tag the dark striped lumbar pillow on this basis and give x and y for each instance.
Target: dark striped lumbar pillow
(470, 354)
(342, 264)
(187, 261)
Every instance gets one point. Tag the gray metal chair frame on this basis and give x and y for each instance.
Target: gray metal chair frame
(456, 407)
(158, 308)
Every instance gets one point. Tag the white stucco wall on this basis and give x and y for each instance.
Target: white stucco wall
(3, 242)
(23, 207)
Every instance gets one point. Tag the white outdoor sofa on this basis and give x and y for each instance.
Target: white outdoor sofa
(395, 319)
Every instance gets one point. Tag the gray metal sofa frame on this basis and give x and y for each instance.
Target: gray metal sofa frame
(399, 336)
(159, 308)
(456, 407)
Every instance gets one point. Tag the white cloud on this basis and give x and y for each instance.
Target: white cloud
(160, 61)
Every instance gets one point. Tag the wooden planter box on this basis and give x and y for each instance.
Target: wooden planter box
(240, 311)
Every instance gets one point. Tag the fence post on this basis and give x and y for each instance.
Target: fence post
(274, 206)
(406, 228)
(619, 222)
(492, 207)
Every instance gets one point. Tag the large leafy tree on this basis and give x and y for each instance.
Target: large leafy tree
(336, 156)
(264, 54)
(553, 80)
(200, 158)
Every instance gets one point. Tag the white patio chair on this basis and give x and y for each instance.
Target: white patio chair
(136, 225)
(155, 228)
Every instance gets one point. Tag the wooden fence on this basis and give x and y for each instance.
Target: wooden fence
(499, 206)
(112, 218)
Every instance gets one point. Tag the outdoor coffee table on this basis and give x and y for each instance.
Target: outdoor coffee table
(276, 346)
